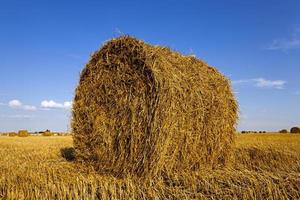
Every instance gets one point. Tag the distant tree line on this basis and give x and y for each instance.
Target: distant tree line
(292, 130)
(253, 131)
(26, 133)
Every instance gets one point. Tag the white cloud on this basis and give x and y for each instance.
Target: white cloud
(48, 104)
(292, 42)
(45, 105)
(15, 103)
(29, 108)
(68, 104)
(262, 83)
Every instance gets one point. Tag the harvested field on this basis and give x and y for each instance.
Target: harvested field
(266, 166)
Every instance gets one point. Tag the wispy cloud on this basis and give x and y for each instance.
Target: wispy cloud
(296, 93)
(49, 104)
(17, 104)
(30, 108)
(284, 44)
(20, 116)
(262, 83)
(241, 81)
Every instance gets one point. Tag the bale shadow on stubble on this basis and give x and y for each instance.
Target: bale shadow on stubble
(68, 153)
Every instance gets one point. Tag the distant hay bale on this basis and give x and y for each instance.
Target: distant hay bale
(283, 131)
(23, 133)
(295, 130)
(47, 133)
(12, 134)
(141, 110)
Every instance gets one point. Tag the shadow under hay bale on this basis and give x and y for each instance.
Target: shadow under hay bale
(141, 109)
(68, 153)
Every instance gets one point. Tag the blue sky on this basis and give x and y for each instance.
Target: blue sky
(45, 44)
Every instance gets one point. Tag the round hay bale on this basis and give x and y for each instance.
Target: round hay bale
(141, 110)
(283, 131)
(23, 133)
(295, 130)
(12, 134)
(47, 133)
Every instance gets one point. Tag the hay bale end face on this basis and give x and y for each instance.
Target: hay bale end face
(141, 110)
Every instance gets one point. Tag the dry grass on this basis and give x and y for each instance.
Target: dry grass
(266, 166)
